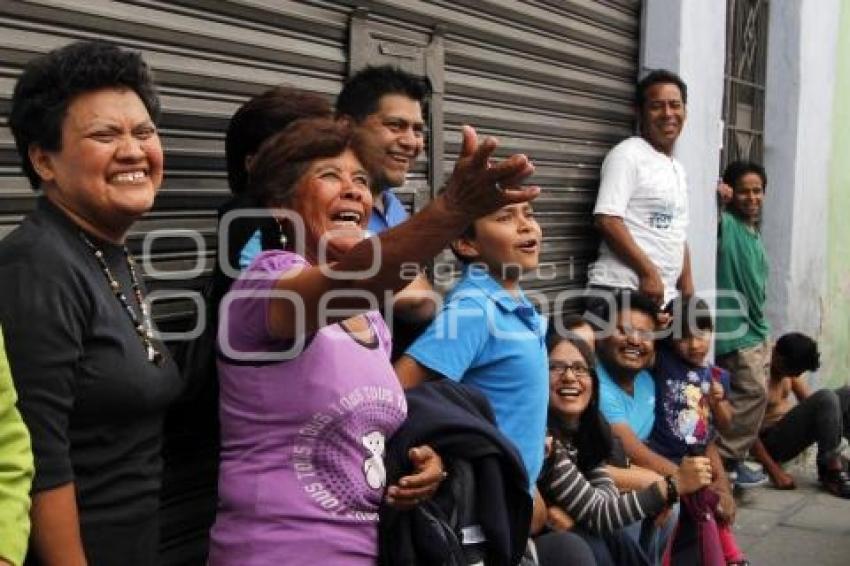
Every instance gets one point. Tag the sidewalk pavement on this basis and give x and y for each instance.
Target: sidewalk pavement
(801, 526)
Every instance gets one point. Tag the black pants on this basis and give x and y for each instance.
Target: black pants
(822, 418)
(562, 548)
(616, 549)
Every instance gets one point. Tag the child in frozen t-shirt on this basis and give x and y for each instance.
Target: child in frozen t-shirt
(691, 396)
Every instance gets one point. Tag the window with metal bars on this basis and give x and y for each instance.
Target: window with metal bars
(744, 78)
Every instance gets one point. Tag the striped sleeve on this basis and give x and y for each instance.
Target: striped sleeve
(594, 502)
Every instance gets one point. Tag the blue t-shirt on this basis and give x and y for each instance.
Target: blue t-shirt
(682, 413)
(252, 248)
(393, 214)
(489, 339)
(637, 411)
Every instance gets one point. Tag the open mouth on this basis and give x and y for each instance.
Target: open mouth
(568, 392)
(632, 353)
(401, 159)
(528, 246)
(347, 219)
(129, 177)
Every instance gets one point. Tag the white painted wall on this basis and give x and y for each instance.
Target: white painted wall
(798, 124)
(689, 37)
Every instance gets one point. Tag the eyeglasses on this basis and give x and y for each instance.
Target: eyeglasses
(559, 369)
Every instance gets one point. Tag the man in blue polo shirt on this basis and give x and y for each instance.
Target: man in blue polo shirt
(385, 104)
(625, 350)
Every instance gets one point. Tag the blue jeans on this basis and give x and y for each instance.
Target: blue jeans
(653, 540)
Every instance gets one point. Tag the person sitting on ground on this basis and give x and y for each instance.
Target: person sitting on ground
(580, 493)
(818, 418)
(16, 471)
(308, 394)
(626, 475)
(626, 349)
(489, 335)
(686, 398)
(742, 271)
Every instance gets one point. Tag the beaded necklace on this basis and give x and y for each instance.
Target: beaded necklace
(144, 327)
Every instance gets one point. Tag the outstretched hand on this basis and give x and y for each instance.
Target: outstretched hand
(479, 185)
(428, 473)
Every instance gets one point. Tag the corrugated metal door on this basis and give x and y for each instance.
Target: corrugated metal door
(551, 78)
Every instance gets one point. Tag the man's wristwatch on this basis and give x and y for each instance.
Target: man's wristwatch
(672, 490)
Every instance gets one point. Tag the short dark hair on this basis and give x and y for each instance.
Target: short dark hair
(259, 118)
(737, 169)
(571, 321)
(623, 299)
(283, 158)
(361, 93)
(50, 83)
(592, 440)
(799, 353)
(686, 312)
(467, 234)
(659, 76)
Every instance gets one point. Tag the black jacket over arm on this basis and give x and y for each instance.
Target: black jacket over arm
(458, 423)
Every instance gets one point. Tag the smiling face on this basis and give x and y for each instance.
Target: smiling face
(570, 382)
(506, 241)
(662, 116)
(110, 166)
(396, 127)
(333, 199)
(630, 345)
(748, 197)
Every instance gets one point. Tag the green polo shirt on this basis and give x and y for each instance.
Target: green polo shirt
(742, 268)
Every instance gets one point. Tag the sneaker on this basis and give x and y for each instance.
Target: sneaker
(746, 477)
(836, 482)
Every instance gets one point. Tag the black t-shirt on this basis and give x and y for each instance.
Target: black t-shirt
(93, 402)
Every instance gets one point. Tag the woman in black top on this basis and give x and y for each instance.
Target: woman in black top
(93, 381)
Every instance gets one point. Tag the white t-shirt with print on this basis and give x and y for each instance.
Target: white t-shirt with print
(648, 190)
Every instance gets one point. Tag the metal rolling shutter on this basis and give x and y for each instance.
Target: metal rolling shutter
(206, 63)
(552, 79)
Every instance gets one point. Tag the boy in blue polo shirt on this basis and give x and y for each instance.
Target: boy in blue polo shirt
(488, 335)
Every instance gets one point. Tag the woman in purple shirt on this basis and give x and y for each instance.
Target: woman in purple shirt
(308, 395)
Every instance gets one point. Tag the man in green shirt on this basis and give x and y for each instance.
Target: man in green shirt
(742, 338)
(16, 471)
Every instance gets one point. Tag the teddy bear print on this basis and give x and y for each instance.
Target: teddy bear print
(373, 466)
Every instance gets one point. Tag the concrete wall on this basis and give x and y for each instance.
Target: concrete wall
(689, 37)
(798, 136)
(835, 340)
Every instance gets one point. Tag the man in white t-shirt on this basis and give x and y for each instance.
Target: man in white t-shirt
(641, 211)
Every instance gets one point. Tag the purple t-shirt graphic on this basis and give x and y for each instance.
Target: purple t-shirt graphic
(302, 470)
